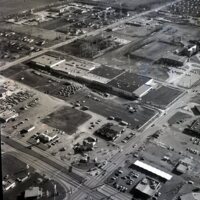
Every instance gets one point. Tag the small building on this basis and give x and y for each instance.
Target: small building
(59, 9)
(190, 196)
(195, 128)
(190, 50)
(3, 92)
(47, 137)
(33, 193)
(183, 165)
(47, 61)
(88, 145)
(196, 110)
(27, 129)
(90, 140)
(110, 131)
(148, 186)
(8, 184)
(8, 115)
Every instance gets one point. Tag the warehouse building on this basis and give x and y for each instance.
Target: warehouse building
(129, 83)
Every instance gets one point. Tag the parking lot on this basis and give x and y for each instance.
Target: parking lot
(162, 97)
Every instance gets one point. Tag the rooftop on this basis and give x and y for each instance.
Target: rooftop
(153, 170)
(148, 186)
(129, 81)
(32, 192)
(47, 61)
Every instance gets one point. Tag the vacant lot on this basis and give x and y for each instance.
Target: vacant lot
(66, 119)
(90, 47)
(179, 117)
(153, 51)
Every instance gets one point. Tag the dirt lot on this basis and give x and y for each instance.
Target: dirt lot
(179, 117)
(153, 51)
(66, 119)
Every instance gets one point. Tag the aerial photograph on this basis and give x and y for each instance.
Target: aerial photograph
(100, 99)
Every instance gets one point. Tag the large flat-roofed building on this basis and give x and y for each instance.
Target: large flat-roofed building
(128, 82)
(153, 170)
(47, 61)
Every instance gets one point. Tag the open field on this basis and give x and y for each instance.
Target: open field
(153, 51)
(66, 119)
(8, 7)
